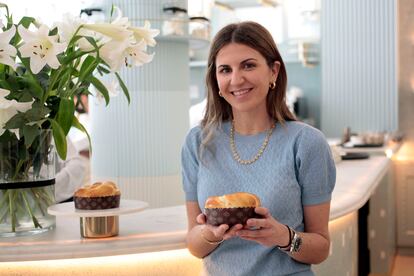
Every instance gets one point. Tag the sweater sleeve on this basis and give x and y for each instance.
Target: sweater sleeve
(314, 167)
(190, 164)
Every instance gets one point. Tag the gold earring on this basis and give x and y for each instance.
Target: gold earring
(221, 95)
(272, 85)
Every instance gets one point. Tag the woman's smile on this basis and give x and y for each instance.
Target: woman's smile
(241, 93)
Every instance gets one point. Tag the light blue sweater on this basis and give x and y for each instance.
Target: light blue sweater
(296, 169)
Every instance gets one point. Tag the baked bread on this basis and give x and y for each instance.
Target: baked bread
(240, 199)
(231, 209)
(106, 188)
(98, 196)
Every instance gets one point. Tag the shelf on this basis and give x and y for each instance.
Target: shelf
(198, 63)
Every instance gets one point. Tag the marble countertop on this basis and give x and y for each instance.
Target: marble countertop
(164, 229)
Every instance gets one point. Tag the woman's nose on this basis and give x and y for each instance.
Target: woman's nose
(237, 78)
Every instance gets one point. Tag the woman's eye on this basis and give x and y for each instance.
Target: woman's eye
(224, 70)
(249, 65)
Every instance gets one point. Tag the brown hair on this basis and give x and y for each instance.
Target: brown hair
(257, 37)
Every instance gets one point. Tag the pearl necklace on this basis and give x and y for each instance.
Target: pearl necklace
(236, 155)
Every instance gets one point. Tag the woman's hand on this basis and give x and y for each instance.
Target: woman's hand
(217, 233)
(269, 231)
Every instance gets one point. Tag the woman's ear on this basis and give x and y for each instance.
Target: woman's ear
(276, 68)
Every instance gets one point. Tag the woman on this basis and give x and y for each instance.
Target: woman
(249, 141)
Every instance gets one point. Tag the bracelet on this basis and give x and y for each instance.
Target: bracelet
(290, 240)
(211, 242)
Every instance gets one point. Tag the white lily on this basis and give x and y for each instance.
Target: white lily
(119, 20)
(116, 53)
(41, 48)
(145, 33)
(1, 24)
(137, 54)
(10, 108)
(7, 51)
(117, 31)
(68, 27)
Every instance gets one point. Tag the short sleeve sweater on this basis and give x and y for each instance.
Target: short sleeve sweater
(296, 169)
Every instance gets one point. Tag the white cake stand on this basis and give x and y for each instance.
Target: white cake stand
(98, 223)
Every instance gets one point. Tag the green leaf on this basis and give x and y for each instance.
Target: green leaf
(124, 88)
(7, 136)
(37, 112)
(30, 133)
(54, 31)
(63, 80)
(12, 82)
(87, 68)
(99, 85)
(16, 121)
(35, 89)
(4, 84)
(79, 126)
(60, 139)
(103, 69)
(26, 21)
(65, 114)
(92, 41)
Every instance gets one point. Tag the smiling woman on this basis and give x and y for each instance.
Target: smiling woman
(249, 142)
(243, 77)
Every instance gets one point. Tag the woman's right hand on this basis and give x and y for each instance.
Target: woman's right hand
(217, 233)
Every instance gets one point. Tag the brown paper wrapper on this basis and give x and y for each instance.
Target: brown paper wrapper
(230, 216)
(97, 203)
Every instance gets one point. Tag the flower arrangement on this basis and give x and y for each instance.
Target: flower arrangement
(43, 70)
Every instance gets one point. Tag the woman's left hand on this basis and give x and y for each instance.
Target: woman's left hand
(269, 231)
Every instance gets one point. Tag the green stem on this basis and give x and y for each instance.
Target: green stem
(4, 201)
(19, 165)
(4, 198)
(38, 200)
(29, 209)
(45, 198)
(11, 208)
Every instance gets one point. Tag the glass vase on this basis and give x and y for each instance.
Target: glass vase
(27, 177)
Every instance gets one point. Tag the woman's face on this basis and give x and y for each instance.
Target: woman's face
(243, 77)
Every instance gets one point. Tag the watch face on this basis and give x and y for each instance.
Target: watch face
(297, 242)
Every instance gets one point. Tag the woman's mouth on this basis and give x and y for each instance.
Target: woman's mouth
(241, 92)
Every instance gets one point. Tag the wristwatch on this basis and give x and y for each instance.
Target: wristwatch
(296, 243)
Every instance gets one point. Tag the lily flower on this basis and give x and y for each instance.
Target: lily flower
(68, 27)
(115, 31)
(41, 48)
(1, 24)
(10, 108)
(145, 33)
(119, 20)
(116, 53)
(6, 50)
(137, 54)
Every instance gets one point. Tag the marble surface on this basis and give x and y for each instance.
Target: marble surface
(356, 180)
(164, 229)
(147, 231)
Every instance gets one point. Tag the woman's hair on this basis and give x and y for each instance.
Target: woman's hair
(258, 38)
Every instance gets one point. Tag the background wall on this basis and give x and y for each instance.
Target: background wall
(359, 66)
(406, 67)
